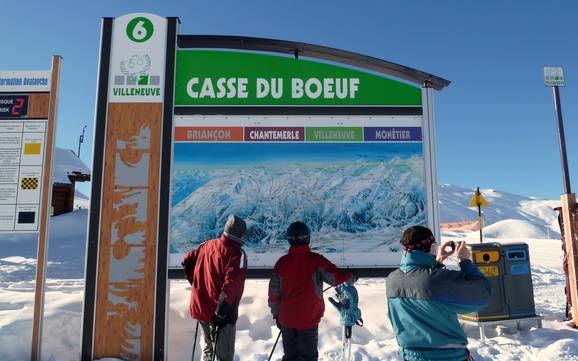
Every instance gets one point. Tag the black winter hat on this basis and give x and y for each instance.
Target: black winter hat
(235, 228)
(298, 234)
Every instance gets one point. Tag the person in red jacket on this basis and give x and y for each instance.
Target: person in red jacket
(296, 294)
(216, 271)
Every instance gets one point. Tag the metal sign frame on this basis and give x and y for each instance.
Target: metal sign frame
(428, 82)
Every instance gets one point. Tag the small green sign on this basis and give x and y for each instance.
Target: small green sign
(222, 78)
(554, 76)
(139, 29)
(334, 134)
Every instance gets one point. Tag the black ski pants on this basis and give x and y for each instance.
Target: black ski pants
(299, 345)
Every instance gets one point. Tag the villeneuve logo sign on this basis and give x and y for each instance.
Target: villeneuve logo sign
(135, 74)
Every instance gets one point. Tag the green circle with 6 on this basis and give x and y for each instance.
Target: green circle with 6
(139, 29)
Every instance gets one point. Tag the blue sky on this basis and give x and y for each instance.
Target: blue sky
(495, 122)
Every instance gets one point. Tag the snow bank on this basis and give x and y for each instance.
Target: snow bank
(513, 228)
(256, 331)
(454, 207)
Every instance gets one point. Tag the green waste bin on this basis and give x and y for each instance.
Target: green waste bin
(507, 266)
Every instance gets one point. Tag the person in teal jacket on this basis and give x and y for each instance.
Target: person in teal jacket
(424, 298)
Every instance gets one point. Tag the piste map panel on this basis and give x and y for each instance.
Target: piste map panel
(357, 181)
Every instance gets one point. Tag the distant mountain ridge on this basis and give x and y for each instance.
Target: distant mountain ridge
(507, 216)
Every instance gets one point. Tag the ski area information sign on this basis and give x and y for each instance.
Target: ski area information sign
(356, 181)
(28, 102)
(193, 128)
(357, 178)
(23, 131)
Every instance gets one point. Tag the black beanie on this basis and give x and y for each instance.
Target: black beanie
(235, 228)
(298, 234)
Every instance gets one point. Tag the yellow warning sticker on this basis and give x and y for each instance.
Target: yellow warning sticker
(490, 271)
(29, 183)
(486, 256)
(32, 148)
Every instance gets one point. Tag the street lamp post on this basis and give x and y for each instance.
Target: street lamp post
(80, 140)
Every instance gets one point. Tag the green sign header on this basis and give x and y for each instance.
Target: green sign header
(224, 78)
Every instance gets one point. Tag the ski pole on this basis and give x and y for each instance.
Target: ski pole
(195, 342)
(275, 345)
(215, 343)
(279, 334)
(346, 343)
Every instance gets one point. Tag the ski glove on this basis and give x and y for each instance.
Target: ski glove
(347, 305)
(224, 314)
(188, 267)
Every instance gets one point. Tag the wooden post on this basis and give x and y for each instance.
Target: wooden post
(45, 207)
(571, 236)
(125, 293)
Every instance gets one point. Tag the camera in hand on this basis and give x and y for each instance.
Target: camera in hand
(450, 247)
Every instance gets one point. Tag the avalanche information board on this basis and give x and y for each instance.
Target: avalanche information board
(21, 164)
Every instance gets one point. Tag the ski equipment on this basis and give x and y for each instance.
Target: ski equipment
(347, 304)
(195, 341)
(349, 313)
(279, 334)
(274, 346)
(215, 338)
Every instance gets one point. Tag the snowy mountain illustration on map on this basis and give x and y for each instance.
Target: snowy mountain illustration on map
(357, 205)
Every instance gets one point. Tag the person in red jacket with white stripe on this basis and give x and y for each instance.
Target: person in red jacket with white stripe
(216, 271)
(296, 294)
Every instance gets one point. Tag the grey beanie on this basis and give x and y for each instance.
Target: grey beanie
(235, 228)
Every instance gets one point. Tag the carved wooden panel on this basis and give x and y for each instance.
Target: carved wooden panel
(128, 234)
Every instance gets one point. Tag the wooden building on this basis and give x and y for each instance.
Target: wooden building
(68, 170)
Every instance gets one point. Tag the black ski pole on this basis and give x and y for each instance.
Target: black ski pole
(275, 345)
(215, 343)
(279, 334)
(195, 342)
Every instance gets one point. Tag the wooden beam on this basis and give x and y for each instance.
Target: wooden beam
(44, 211)
(571, 239)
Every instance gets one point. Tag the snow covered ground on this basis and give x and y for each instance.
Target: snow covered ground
(256, 334)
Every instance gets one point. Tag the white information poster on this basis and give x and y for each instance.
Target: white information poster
(21, 168)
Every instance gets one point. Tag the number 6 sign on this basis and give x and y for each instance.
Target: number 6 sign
(140, 29)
